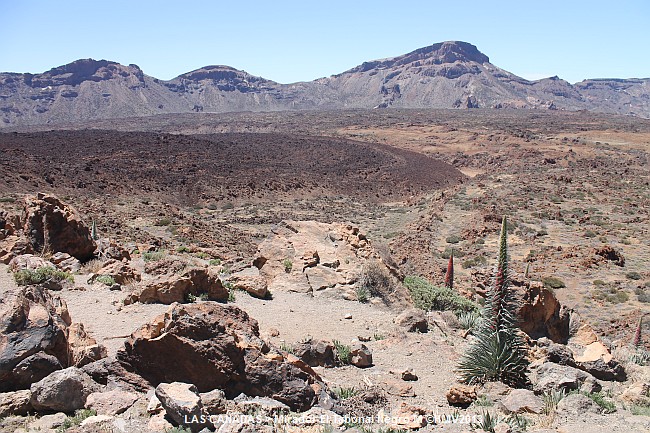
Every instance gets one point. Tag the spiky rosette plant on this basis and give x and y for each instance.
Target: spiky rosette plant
(449, 275)
(498, 352)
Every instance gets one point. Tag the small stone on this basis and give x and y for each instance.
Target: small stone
(502, 427)
(360, 356)
(408, 375)
(348, 316)
(522, 400)
(273, 332)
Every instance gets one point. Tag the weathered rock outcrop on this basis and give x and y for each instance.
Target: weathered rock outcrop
(36, 338)
(170, 288)
(51, 225)
(319, 258)
(541, 314)
(214, 346)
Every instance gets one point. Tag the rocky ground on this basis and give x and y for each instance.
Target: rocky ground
(260, 219)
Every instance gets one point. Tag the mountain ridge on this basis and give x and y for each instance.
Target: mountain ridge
(450, 74)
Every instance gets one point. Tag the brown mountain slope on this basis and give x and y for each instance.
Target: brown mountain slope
(443, 75)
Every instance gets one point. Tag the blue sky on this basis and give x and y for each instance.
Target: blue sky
(289, 41)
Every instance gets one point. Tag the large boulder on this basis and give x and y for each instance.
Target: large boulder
(112, 402)
(215, 346)
(550, 376)
(522, 400)
(413, 319)
(33, 338)
(598, 361)
(51, 225)
(28, 262)
(167, 289)
(122, 273)
(540, 314)
(315, 353)
(12, 246)
(36, 338)
(64, 391)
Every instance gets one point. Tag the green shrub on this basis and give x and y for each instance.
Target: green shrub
(344, 392)
(553, 283)
(363, 294)
(215, 262)
(428, 297)
(590, 234)
(183, 249)
(633, 275)
(73, 421)
(475, 261)
(28, 277)
(606, 405)
(163, 222)
(453, 239)
(288, 265)
(202, 255)
(153, 256)
(458, 253)
(643, 294)
(343, 352)
(611, 294)
(468, 319)
(106, 280)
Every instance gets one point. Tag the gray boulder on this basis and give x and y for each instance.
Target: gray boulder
(64, 391)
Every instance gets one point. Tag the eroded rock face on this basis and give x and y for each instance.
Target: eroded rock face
(541, 314)
(318, 258)
(33, 340)
(121, 272)
(36, 338)
(215, 346)
(167, 289)
(51, 225)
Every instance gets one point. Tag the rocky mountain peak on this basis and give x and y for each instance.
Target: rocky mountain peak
(436, 54)
(82, 70)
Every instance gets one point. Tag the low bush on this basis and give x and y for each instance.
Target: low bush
(428, 297)
(106, 280)
(28, 277)
(553, 283)
(153, 256)
(343, 352)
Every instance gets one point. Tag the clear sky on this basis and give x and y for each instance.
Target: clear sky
(289, 41)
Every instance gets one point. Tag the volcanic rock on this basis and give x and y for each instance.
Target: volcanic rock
(64, 390)
(50, 225)
(112, 402)
(15, 403)
(315, 353)
(181, 402)
(222, 349)
(414, 320)
(540, 314)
